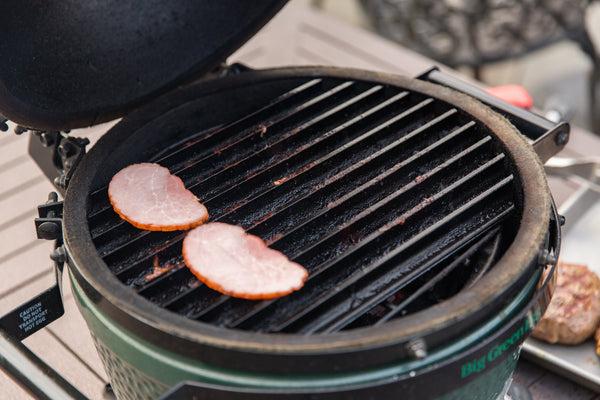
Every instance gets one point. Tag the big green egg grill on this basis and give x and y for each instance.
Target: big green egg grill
(422, 215)
(408, 203)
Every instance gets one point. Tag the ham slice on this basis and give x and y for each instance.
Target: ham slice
(149, 197)
(229, 260)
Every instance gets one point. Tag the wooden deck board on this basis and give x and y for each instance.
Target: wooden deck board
(53, 351)
(297, 36)
(26, 196)
(11, 391)
(73, 331)
(19, 294)
(21, 231)
(24, 263)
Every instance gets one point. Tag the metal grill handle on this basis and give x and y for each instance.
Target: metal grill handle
(546, 137)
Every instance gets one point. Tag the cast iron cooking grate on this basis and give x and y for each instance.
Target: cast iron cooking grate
(392, 200)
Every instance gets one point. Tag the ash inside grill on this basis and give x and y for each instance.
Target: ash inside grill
(392, 200)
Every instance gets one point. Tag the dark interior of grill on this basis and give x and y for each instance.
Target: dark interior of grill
(393, 201)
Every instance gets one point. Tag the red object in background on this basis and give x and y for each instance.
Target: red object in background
(513, 94)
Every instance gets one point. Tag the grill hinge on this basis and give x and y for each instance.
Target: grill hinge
(49, 224)
(57, 154)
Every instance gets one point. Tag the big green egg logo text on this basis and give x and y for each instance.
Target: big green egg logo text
(479, 364)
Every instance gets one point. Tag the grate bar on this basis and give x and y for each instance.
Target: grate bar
(397, 309)
(412, 184)
(385, 260)
(264, 115)
(246, 167)
(209, 300)
(151, 280)
(465, 245)
(212, 141)
(141, 250)
(313, 248)
(309, 171)
(248, 186)
(368, 164)
(107, 236)
(163, 287)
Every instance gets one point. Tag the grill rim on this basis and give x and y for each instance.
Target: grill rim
(175, 332)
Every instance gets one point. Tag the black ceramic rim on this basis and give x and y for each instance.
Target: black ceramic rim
(267, 351)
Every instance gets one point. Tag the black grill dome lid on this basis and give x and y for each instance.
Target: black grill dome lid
(71, 64)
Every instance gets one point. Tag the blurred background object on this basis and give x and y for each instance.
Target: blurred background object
(547, 46)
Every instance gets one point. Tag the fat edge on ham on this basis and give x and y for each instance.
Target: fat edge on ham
(149, 197)
(229, 260)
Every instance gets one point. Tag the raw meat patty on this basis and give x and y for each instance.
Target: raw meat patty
(149, 197)
(574, 311)
(233, 262)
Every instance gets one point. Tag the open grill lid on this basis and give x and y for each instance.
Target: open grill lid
(73, 64)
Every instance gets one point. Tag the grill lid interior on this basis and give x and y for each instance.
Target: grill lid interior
(83, 63)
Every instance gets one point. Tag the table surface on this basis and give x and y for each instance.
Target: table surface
(298, 35)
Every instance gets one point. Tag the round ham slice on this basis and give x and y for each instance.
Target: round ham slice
(229, 260)
(149, 197)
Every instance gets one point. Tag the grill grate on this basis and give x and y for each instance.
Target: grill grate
(390, 199)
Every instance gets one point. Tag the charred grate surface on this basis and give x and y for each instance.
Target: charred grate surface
(393, 201)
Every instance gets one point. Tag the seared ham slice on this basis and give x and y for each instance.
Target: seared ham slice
(149, 197)
(229, 260)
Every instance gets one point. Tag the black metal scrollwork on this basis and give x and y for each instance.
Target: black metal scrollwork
(474, 32)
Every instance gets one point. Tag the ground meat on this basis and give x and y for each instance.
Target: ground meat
(574, 312)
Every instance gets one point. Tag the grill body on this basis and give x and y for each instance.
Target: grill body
(419, 213)
(479, 366)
